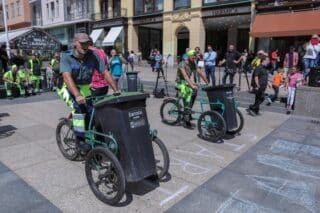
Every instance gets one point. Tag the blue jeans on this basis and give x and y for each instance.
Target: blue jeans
(210, 71)
(308, 64)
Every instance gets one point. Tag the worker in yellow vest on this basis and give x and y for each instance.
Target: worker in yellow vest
(13, 80)
(54, 66)
(34, 68)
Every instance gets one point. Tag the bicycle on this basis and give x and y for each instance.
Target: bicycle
(103, 169)
(211, 124)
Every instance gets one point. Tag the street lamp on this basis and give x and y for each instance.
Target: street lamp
(6, 27)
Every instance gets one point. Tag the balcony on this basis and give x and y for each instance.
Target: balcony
(76, 15)
(110, 15)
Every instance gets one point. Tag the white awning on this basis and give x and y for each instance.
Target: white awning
(95, 34)
(13, 34)
(112, 36)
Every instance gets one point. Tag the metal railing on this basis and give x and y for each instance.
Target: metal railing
(110, 15)
(78, 15)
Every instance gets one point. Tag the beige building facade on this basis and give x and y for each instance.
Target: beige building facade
(18, 14)
(171, 26)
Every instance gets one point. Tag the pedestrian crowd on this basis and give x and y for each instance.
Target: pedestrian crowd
(268, 70)
(26, 75)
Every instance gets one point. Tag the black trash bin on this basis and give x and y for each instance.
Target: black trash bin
(43, 80)
(132, 81)
(224, 94)
(125, 117)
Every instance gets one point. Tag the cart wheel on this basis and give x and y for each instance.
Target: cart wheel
(66, 140)
(161, 157)
(211, 126)
(170, 112)
(240, 121)
(105, 175)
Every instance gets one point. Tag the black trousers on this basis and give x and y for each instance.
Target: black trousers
(259, 98)
(230, 73)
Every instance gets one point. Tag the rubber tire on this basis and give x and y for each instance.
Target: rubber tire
(240, 127)
(222, 133)
(165, 155)
(118, 169)
(179, 117)
(59, 142)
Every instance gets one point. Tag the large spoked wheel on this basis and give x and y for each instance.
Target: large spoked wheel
(66, 140)
(161, 157)
(170, 112)
(240, 122)
(211, 126)
(105, 175)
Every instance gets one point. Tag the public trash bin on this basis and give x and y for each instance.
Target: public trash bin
(43, 80)
(223, 94)
(125, 117)
(132, 81)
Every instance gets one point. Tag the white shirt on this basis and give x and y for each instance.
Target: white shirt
(312, 51)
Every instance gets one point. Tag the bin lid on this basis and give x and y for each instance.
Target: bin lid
(132, 72)
(124, 97)
(219, 87)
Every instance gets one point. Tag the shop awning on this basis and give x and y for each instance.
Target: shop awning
(112, 36)
(13, 34)
(95, 34)
(286, 24)
(30, 39)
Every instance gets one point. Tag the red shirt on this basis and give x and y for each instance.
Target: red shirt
(98, 80)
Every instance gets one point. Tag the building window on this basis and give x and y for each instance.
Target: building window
(147, 6)
(18, 8)
(12, 10)
(57, 8)
(7, 11)
(116, 8)
(104, 8)
(158, 5)
(48, 11)
(209, 1)
(180, 4)
(52, 10)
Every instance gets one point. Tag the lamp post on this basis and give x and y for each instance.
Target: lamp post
(6, 27)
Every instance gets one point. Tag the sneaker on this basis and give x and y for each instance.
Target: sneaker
(84, 147)
(187, 125)
(250, 112)
(288, 112)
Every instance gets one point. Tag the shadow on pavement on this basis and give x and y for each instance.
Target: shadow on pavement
(6, 131)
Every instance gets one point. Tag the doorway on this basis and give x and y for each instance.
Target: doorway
(183, 42)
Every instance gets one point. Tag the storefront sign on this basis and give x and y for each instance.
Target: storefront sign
(147, 20)
(226, 11)
(36, 40)
(108, 23)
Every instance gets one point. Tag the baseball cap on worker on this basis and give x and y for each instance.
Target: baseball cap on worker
(191, 53)
(81, 37)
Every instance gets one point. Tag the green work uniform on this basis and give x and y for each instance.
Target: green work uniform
(35, 68)
(181, 84)
(16, 79)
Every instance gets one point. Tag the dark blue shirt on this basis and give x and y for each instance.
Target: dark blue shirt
(81, 69)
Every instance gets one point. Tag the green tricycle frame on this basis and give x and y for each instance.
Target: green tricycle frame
(101, 157)
(211, 123)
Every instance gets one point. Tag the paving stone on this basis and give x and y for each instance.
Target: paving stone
(18, 196)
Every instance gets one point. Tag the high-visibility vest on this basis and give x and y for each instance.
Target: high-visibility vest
(31, 66)
(9, 74)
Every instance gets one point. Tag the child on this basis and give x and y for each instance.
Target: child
(294, 79)
(276, 82)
